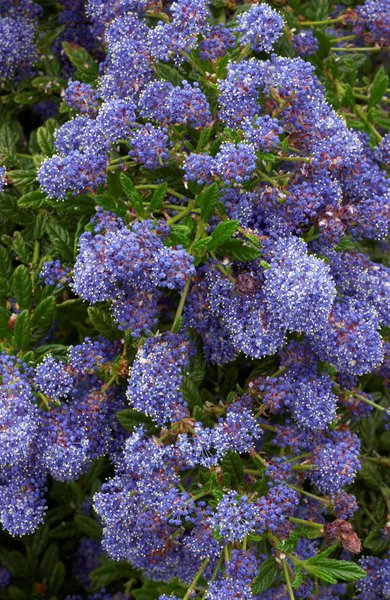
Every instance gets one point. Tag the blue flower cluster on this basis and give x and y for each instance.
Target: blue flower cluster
(18, 28)
(55, 419)
(129, 267)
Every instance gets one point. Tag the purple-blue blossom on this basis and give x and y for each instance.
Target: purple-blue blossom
(261, 26)
(298, 288)
(156, 376)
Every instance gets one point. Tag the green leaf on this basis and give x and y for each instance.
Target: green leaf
(5, 315)
(108, 202)
(207, 200)
(180, 234)
(378, 87)
(15, 563)
(232, 464)
(5, 263)
(42, 318)
(20, 248)
(191, 393)
(371, 475)
(86, 68)
(22, 330)
(26, 98)
(168, 73)
(49, 559)
(131, 194)
(56, 578)
(103, 323)
(298, 579)
(158, 196)
(8, 140)
(324, 44)
(61, 240)
(375, 542)
(5, 290)
(109, 572)
(34, 200)
(322, 555)
(23, 177)
(130, 418)
(14, 593)
(331, 570)
(9, 208)
(45, 137)
(238, 250)
(199, 249)
(88, 526)
(222, 233)
(367, 431)
(265, 577)
(39, 540)
(22, 286)
(322, 10)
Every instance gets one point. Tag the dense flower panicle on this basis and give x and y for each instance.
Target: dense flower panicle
(262, 132)
(243, 566)
(252, 328)
(3, 181)
(278, 470)
(156, 376)
(116, 119)
(17, 46)
(82, 97)
(216, 42)
(275, 507)
(367, 186)
(153, 101)
(260, 26)
(312, 198)
(235, 164)
(357, 276)
(305, 43)
(150, 146)
(54, 273)
(335, 462)
(172, 40)
(75, 173)
(128, 266)
(350, 339)
(87, 357)
(199, 168)
(373, 22)
(75, 433)
(376, 584)
(18, 413)
(136, 310)
(22, 498)
(298, 287)
(382, 152)
(308, 396)
(345, 505)
(207, 446)
(53, 378)
(175, 105)
(234, 517)
(228, 589)
(82, 134)
(239, 92)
